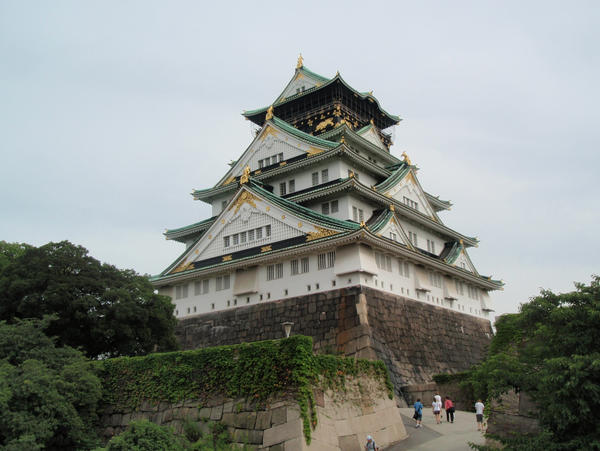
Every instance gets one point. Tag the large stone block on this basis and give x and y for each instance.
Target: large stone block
(282, 433)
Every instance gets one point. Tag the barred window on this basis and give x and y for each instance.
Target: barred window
(304, 265)
(294, 267)
(292, 186)
(275, 271)
(334, 206)
(326, 260)
(282, 190)
(226, 241)
(324, 175)
(205, 286)
(315, 178)
(325, 208)
(181, 291)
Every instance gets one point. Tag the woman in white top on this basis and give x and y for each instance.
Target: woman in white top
(436, 406)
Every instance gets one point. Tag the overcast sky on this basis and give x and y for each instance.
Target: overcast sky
(112, 112)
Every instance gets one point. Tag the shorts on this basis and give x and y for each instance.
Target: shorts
(479, 417)
(418, 416)
(436, 412)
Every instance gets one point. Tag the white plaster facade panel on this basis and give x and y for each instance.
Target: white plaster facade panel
(363, 177)
(219, 203)
(300, 83)
(359, 204)
(392, 231)
(422, 236)
(371, 136)
(409, 189)
(463, 262)
(303, 178)
(318, 207)
(355, 258)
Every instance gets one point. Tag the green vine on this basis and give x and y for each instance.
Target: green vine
(252, 370)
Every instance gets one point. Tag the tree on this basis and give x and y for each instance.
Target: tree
(551, 350)
(102, 310)
(146, 436)
(11, 251)
(48, 395)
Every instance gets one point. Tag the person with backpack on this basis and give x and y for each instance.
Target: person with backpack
(449, 406)
(371, 445)
(418, 416)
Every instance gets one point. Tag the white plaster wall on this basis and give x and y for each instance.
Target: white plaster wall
(300, 82)
(340, 276)
(354, 201)
(303, 177)
(423, 235)
(217, 204)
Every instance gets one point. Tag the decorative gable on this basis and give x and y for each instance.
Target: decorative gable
(408, 191)
(372, 136)
(464, 262)
(300, 83)
(394, 231)
(250, 221)
(271, 146)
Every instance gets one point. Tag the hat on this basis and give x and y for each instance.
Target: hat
(369, 437)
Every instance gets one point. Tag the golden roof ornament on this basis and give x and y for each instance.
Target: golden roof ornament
(343, 140)
(269, 115)
(245, 178)
(406, 159)
(362, 224)
(392, 208)
(300, 61)
(351, 175)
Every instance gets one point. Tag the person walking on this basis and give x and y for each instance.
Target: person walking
(418, 416)
(449, 406)
(371, 445)
(479, 414)
(436, 406)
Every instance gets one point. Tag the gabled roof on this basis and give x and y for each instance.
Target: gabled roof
(351, 184)
(281, 126)
(438, 204)
(330, 226)
(398, 174)
(354, 137)
(257, 116)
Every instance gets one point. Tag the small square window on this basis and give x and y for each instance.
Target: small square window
(334, 206)
(212, 306)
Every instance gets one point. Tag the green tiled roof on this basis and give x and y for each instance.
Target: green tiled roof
(327, 82)
(399, 173)
(197, 225)
(303, 135)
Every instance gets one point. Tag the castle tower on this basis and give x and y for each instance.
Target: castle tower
(317, 202)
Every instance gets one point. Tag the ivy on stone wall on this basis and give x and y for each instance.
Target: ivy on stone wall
(250, 370)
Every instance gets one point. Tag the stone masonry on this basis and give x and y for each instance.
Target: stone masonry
(415, 339)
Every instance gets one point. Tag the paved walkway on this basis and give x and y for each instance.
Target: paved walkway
(439, 437)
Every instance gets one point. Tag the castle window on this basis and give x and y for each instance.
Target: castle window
(325, 208)
(315, 178)
(235, 302)
(197, 288)
(460, 288)
(235, 239)
(222, 282)
(282, 191)
(294, 267)
(411, 203)
(251, 235)
(212, 307)
(435, 278)
(188, 310)
(324, 175)
(268, 230)
(280, 157)
(181, 292)
(404, 268)
(355, 214)
(274, 159)
(247, 300)
(393, 236)
(431, 246)
(413, 238)
(292, 186)
(259, 233)
(261, 164)
(226, 241)
(205, 284)
(304, 265)
(334, 206)
(326, 260)
(243, 237)
(361, 215)
(275, 271)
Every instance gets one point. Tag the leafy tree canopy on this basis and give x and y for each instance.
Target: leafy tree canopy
(97, 307)
(551, 350)
(48, 395)
(10, 251)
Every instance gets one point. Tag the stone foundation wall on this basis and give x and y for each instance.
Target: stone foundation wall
(415, 340)
(462, 399)
(344, 419)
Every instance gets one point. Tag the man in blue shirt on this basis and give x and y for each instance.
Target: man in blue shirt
(418, 412)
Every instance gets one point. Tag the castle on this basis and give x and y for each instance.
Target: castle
(318, 206)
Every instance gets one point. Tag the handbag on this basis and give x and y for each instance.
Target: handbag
(415, 416)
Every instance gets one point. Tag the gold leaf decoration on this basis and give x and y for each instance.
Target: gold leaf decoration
(245, 197)
(184, 266)
(320, 233)
(266, 248)
(312, 151)
(227, 258)
(229, 180)
(323, 124)
(267, 132)
(245, 178)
